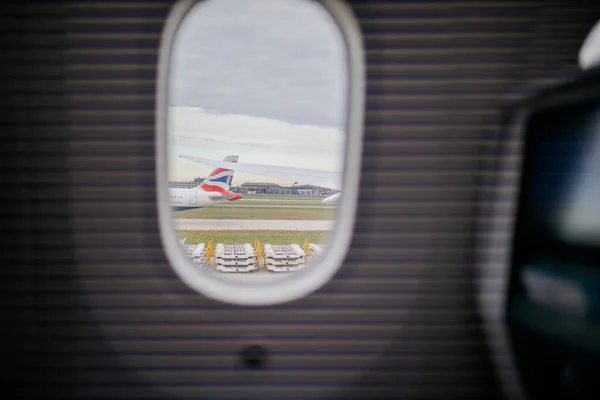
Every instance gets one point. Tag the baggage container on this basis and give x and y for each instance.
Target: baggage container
(235, 257)
(283, 258)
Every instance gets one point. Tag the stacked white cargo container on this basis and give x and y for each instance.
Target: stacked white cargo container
(235, 257)
(199, 254)
(189, 248)
(316, 250)
(284, 257)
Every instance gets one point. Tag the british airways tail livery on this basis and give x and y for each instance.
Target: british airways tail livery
(215, 189)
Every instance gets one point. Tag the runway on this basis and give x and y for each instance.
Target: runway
(252, 224)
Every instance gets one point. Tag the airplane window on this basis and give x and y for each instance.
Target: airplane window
(259, 141)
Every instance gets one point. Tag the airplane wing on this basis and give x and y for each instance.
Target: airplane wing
(326, 179)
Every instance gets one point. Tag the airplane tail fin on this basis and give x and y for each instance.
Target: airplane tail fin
(219, 180)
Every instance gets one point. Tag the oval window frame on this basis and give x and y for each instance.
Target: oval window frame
(270, 289)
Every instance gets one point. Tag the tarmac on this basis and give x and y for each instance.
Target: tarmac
(253, 224)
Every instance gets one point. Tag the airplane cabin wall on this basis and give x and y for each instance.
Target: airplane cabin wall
(92, 303)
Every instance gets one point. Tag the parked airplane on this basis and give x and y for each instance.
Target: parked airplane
(326, 179)
(213, 190)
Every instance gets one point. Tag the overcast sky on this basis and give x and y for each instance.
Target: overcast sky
(263, 79)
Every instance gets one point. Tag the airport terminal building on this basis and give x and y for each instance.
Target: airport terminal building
(261, 188)
(275, 189)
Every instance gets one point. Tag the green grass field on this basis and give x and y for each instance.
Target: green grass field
(233, 212)
(239, 237)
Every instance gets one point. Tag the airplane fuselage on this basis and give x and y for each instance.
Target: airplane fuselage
(189, 199)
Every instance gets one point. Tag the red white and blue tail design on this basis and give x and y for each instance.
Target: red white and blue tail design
(219, 181)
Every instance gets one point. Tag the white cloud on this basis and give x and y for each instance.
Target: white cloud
(195, 131)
